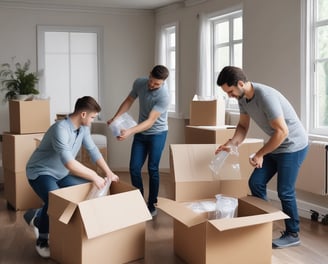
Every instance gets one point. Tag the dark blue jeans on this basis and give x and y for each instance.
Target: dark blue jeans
(42, 186)
(143, 146)
(287, 166)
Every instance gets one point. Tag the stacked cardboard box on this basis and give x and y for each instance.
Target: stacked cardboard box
(207, 123)
(207, 112)
(109, 229)
(200, 239)
(28, 121)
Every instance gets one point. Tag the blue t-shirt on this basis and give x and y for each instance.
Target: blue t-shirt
(149, 100)
(60, 144)
(268, 104)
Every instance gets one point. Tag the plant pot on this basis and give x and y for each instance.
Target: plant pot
(24, 97)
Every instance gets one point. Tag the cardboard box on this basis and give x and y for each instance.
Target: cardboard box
(29, 116)
(192, 179)
(207, 112)
(109, 229)
(246, 238)
(208, 134)
(17, 149)
(18, 192)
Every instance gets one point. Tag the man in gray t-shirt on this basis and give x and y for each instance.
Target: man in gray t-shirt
(150, 133)
(283, 153)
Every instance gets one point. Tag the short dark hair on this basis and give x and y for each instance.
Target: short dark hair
(231, 75)
(88, 104)
(160, 72)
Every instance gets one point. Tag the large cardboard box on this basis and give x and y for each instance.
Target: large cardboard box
(192, 179)
(210, 112)
(18, 192)
(29, 116)
(246, 238)
(109, 229)
(17, 149)
(208, 134)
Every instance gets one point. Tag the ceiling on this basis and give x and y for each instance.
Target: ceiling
(131, 4)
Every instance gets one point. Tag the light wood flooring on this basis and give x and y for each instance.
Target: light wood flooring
(17, 240)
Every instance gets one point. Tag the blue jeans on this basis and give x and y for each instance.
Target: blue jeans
(287, 166)
(143, 145)
(42, 186)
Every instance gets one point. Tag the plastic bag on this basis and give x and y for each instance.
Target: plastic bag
(95, 192)
(219, 159)
(124, 121)
(226, 207)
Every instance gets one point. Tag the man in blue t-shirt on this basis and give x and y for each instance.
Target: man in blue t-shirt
(53, 164)
(150, 132)
(283, 153)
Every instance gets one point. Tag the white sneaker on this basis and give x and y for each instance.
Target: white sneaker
(29, 217)
(42, 247)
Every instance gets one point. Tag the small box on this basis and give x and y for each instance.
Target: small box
(108, 229)
(210, 112)
(18, 192)
(17, 149)
(246, 238)
(208, 134)
(29, 116)
(192, 179)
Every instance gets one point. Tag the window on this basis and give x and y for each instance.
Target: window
(69, 61)
(317, 65)
(169, 59)
(223, 36)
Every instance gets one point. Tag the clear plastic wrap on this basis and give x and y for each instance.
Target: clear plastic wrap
(124, 121)
(95, 192)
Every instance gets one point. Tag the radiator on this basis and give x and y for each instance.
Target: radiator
(313, 173)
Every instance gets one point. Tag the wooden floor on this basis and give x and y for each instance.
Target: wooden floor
(17, 240)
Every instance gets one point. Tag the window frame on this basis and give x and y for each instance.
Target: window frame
(165, 59)
(308, 68)
(42, 29)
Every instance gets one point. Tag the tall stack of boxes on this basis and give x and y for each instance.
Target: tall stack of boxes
(28, 121)
(207, 122)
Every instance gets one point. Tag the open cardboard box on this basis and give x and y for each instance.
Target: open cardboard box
(109, 229)
(246, 238)
(192, 179)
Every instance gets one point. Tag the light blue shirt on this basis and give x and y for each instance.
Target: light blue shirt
(149, 100)
(60, 144)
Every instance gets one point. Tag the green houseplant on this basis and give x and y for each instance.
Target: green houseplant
(18, 81)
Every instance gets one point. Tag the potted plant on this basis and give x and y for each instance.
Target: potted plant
(17, 82)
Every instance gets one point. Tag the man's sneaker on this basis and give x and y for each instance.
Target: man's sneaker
(153, 212)
(287, 239)
(30, 217)
(42, 247)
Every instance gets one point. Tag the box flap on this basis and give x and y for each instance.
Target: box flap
(68, 213)
(180, 212)
(232, 223)
(190, 161)
(260, 203)
(110, 213)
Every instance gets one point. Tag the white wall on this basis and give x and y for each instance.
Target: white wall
(128, 51)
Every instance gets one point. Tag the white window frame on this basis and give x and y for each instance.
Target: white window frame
(42, 29)
(165, 58)
(308, 62)
(207, 81)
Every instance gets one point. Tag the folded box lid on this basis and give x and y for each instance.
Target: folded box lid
(110, 213)
(101, 215)
(266, 213)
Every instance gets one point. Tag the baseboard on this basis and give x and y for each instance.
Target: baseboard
(304, 208)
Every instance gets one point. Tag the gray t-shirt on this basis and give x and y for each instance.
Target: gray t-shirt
(149, 100)
(60, 144)
(268, 104)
